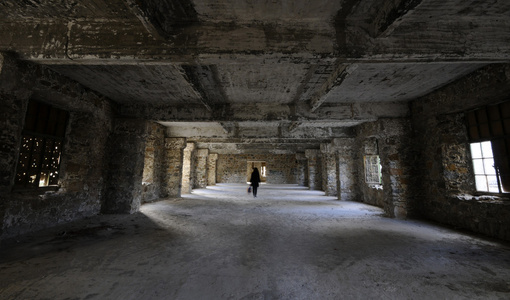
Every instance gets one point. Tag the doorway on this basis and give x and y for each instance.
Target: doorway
(261, 166)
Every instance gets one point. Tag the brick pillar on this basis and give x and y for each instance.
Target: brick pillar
(329, 170)
(187, 170)
(174, 162)
(123, 193)
(201, 168)
(347, 170)
(302, 169)
(212, 159)
(314, 169)
(394, 155)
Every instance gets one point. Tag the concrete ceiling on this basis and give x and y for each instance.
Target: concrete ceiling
(259, 75)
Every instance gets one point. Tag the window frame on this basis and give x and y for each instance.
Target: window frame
(492, 124)
(45, 125)
(370, 165)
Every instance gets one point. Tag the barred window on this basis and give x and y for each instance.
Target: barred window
(41, 146)
(373, 169)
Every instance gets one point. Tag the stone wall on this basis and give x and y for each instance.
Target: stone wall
(201, 168)
(281, 168)
(174, 154)
(153, 168)
(329, 170)
(445, 190)
(314, 169)
(188, 172)
(394, 140)
(211, 168)
(126, 154)
(347, 157)
(81, 178)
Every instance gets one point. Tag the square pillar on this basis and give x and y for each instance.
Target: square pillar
(187, 170)
(329, 170)
(123, 192)
(174, 162)
(314, 169)
(201, 168)
(212, 159)
(396, 169)
(346, 168)
(302, 169)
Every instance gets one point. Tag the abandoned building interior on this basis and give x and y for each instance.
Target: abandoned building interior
(110, 105)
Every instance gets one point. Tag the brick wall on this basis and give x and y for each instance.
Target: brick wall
(282, 168)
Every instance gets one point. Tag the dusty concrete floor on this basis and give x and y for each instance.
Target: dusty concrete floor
(220, 243)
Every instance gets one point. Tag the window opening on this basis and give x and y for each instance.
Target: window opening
(41, 146)
(489, 137)
(486, 177)
(373, 169)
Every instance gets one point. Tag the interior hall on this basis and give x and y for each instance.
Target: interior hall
(129, 132)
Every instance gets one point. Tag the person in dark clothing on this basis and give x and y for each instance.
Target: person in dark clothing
(255, 179)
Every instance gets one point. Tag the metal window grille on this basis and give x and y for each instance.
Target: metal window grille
(373, 169)
(41, 146)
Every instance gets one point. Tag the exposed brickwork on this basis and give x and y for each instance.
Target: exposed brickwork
(173, 163)
(201, 168)
(347, 168)
(302, 169)
(212, 159)
(446, 191)
(153, 170)
(314, 169)
(329, 170)
(282, 168)
(187, 170)
(393, 138)
(81, 172)
(123, 192)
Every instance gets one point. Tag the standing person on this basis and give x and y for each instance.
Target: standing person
(255, 179)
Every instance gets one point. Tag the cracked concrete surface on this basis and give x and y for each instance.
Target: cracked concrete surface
(221, 243)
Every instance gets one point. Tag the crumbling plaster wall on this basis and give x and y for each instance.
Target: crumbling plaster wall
(84, 152)
(445, 188)
(282, 168)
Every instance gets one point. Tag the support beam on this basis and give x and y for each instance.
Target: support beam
(162, 17)
(336, 78)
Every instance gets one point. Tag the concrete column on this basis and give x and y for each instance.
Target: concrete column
(123, 192)
(187, 170)
(201, 168)
(302, 169)
(314, 169)
(212, 159)
(329, 170)
(347, 169)
(174, 163)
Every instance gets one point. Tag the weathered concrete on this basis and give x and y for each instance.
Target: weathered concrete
(220, 243)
